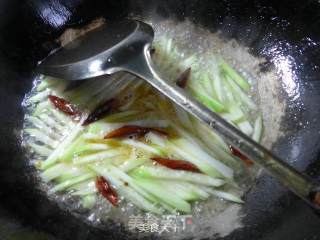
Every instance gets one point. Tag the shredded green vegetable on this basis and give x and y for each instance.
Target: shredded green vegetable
(73, 155)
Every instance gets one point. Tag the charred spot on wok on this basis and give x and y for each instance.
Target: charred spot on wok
(265, 66)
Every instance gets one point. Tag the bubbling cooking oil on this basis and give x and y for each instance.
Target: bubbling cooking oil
(214, 216)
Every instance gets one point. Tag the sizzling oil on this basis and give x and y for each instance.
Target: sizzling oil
(214, 216)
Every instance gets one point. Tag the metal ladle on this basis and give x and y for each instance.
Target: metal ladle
(124, 46)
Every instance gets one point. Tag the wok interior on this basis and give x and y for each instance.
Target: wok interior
(287, 38)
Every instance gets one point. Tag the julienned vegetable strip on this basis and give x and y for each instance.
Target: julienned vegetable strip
(161, 172)
(258, 129)
(209, 102)
(234, 75)
(61, 147)
(119, 138)
(240, 95)
(126, 191)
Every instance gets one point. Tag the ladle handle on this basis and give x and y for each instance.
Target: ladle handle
(301, 185)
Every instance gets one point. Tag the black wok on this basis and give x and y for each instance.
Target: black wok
(271, 29)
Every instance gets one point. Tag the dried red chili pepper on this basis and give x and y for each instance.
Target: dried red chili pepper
(101, 111)
(316, 199)
(133, 130)
(183, 78)
(238, 154)
(63, 105)
(176, 164)
(107, 191)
